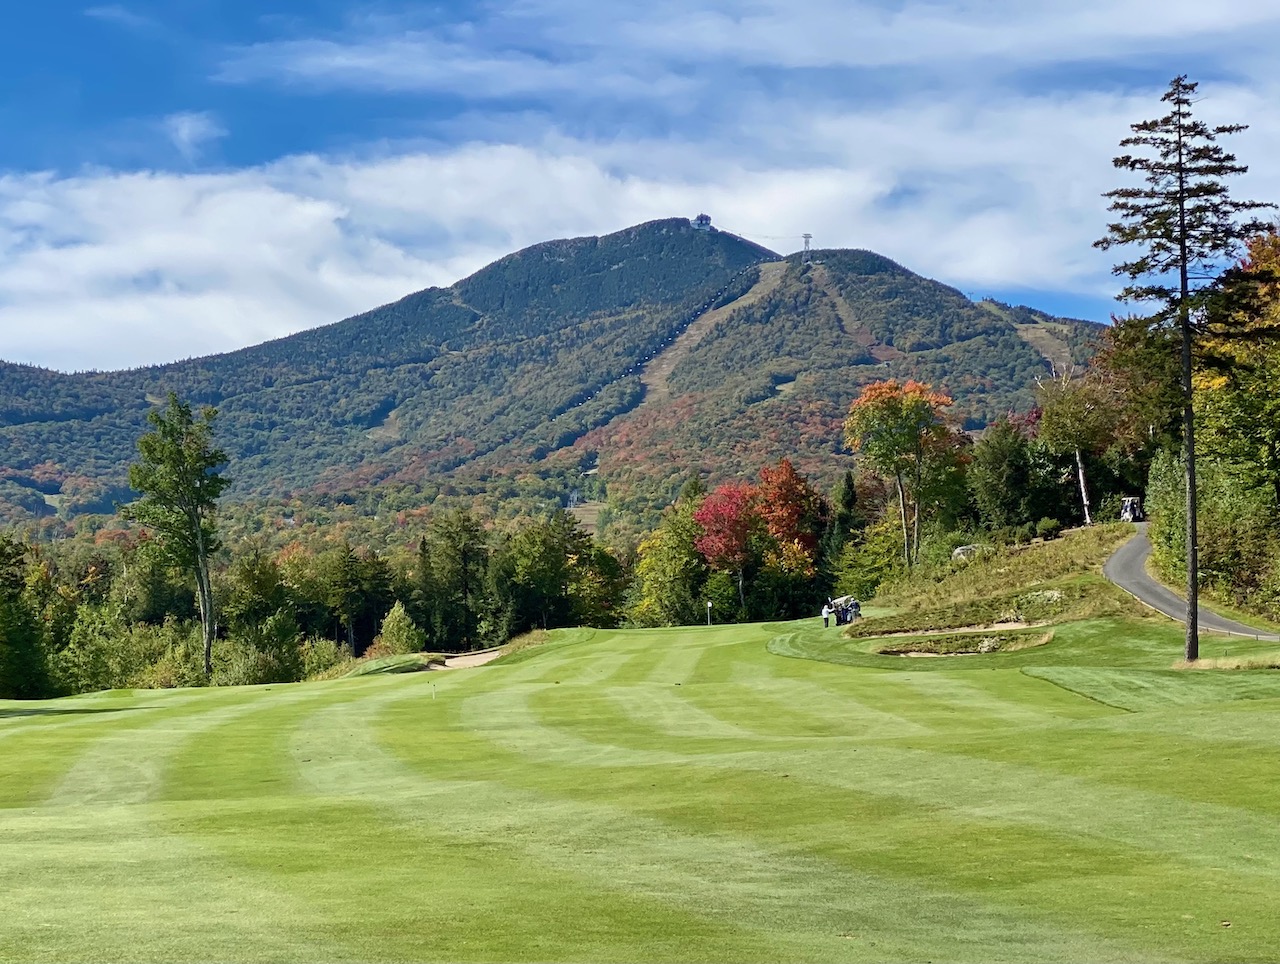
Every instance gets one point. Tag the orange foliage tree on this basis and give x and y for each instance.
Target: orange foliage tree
(896, 428)
(794, 515)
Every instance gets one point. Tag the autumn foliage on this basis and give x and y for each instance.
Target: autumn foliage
(898, 428)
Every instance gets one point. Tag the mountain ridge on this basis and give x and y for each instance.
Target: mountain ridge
(535, 357)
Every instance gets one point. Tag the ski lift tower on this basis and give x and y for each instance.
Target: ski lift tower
(807, 254)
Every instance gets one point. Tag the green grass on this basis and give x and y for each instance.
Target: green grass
(400, 663)
(759, 793)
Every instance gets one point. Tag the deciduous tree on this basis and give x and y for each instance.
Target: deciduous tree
(892, 425)
(1076, 418)
(794, 515)
(1238, 403)
(728, 519)
(178, 476)
(670, 572)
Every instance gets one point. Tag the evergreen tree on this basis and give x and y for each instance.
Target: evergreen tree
(1000, 476)
(399, 634)
(1186, 228)
(453, 560)
(23, 665)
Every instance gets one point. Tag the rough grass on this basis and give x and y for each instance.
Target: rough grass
(994, 575)
(662, 795)
(399, 663)
(1053, 582)
(537, 641)
(1271, 661)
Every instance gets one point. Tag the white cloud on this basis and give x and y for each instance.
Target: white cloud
(626, 47)
(118, 14)
(977, 181)
(421, 61)
(913, 33)
(190, 131)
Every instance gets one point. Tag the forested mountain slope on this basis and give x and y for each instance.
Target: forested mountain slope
(541, 355)
(776, 374)
(421, 385)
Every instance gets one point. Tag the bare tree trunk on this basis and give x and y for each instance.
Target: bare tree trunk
(915, 529)
(204, 596)
(902, 509)
(1188, 414)
(208, 626)
(1193, 545)
(1084, 492)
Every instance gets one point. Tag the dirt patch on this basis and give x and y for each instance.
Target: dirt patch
(588, 514)
(1048, 342)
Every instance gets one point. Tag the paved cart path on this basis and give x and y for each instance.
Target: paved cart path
(1128, 570)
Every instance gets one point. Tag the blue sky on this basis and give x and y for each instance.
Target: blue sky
(184, 178)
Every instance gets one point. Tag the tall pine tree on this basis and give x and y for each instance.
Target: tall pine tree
(1186, 229)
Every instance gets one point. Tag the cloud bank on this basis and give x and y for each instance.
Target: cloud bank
(970, 142)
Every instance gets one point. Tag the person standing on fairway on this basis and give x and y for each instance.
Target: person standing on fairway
(826, 615)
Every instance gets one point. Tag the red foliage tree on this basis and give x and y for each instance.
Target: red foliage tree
(793, 515)
(728, 518)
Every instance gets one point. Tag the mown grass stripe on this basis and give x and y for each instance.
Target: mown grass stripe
(762, 810)
(152, 896)
(779, 704)
(680, 661)
(958, 700)
(660, 711)
(732, 878)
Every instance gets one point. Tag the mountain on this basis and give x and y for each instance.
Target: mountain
(653, 351)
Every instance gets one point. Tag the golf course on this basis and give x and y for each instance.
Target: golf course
(765, 792)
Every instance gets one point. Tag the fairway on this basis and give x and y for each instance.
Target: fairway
(756, 793)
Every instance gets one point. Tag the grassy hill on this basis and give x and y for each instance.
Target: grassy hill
(661, 795)
(548, 356)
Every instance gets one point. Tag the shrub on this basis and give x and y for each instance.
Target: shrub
(1048, 528)
(181, 664)
(320, 655)
(877, 559)
(399, 634)
(238, 663)
(104, 652)
(1108, 508)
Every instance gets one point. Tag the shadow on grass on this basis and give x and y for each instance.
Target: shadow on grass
(12, 714)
